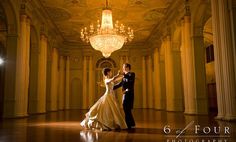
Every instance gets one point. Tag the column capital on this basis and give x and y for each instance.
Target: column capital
(176, 46)
(62, 57)
(43, 29)
(86, 57)
(28, 20)
(187, 19)
(148, 57)
(168, 37)
(144, 57)
(26, 8)
(187, 8)
(198, 31)
(43, 37)
(156, 50)
(23, 17)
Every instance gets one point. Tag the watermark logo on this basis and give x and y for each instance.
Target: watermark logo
(193, 132)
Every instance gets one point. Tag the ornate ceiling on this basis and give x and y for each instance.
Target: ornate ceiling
(70, 16)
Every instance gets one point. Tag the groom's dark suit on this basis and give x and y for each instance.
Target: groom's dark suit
(127, 84)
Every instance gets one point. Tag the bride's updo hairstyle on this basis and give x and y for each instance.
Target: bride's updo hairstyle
(105, 71)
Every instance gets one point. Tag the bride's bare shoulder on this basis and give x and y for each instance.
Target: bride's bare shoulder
(108, 80)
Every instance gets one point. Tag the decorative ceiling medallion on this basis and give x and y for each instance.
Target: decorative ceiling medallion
(70, 16)
(75, 3)
(95, 14)
(58, 14)
(137, 3)
(155, 14)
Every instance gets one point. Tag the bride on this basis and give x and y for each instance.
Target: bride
(105, 113)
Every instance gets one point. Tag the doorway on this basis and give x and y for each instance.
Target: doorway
(210, 68)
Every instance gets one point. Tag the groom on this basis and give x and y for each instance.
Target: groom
(127, 84)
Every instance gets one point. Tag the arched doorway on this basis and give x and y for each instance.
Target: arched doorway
(3, 32)
(9, 42)
(210, 67)
(103, 63)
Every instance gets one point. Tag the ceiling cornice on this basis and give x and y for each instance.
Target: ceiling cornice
(171, 16)
(37, 7)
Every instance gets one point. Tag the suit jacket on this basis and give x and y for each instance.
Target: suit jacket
(127, 85)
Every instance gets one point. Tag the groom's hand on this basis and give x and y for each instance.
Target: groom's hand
(126, 90)
(120, 73)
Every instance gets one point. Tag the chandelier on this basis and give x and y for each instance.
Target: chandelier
(105, 37)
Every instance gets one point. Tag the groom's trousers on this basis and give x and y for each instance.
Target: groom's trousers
(129, 117)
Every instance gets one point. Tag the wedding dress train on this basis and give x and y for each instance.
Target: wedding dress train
(105, 114)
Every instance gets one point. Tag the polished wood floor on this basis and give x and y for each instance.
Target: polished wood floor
(63, 126)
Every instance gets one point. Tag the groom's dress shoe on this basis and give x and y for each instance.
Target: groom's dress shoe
(133, 125)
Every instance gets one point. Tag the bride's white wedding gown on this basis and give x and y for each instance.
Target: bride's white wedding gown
(105, 114)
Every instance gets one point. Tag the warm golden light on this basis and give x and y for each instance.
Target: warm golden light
(107, 43)
(107, 20)
(1, 61)
(105, 37)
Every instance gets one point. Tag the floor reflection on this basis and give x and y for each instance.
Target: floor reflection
(64, 126)
(89, 136)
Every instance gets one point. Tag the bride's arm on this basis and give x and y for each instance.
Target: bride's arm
(114, 78)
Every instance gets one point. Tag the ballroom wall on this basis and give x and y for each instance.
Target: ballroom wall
(44, 72)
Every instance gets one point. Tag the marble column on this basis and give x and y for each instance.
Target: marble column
(232, 11)
(150, 82)
(42, 74)
(218, 59)
(170, 92)
(85, 104)
(21, 98)
(54, 81)
(158, 97)
(190, 68)
(200, 70)
(61, 93)
(227, 57)
(144, 82)
(173, 76)
(27, 60)
(183, 66)
(91, 90)
(162, 73)
(67, 90)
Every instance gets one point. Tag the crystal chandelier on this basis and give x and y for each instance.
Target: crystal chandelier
(104, 37)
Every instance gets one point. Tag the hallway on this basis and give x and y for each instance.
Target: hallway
(64, 126)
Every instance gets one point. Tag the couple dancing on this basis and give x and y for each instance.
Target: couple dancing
(105, 114)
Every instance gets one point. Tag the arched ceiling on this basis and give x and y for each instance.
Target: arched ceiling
(207, 33)
(69, 16)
